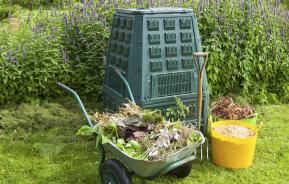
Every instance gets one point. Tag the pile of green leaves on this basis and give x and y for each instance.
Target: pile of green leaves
(142, 134)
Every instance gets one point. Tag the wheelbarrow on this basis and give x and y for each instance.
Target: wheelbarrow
(118, 167)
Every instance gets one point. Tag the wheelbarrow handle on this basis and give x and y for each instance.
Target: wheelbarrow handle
(118, 72)
(75, 95)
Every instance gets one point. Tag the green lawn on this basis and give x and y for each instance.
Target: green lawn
(38, 145)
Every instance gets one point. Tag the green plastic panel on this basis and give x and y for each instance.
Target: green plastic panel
(113, 47)
(119, 49)
(154, 39)
(187, 50)
(186, 37)
(129, 24)
(124, 63)
(171, 51)
(156, 66)
(185, 23)
(122, 23)
(114, 34)
(121, 36)
(155, 52)
(115, 22)
(169, 24)
(172, 64)
(126, 51)
(127, 37)
(153, 25)
(188, 63)
(170, 38)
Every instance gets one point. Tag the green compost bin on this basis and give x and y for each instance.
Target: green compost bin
(153, 50)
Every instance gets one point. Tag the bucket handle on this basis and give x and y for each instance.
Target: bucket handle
(259, 126)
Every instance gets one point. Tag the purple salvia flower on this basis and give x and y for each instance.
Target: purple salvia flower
(93, 12)
(116, 5)
(76, 29)
(242, 4)
(84, 12)
(277, 3)
(9, 56)
(24, 54)
(64, 19)
(78, 59)
(71, 18)
(51, 11)
(152, 3)
(53, 29)
(283, 33)
(91, 3)
(40, 10)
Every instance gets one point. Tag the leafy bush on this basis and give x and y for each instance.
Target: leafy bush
(32, 3)
(69, 50)
(84, 42)
(6, 11)
(248, 47)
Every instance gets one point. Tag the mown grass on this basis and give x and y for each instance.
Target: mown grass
(38, 145)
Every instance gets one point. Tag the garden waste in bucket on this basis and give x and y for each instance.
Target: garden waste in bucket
(231, 152)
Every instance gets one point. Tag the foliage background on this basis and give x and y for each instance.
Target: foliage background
(247, 41)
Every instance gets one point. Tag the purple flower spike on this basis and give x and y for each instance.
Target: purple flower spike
(65, 19)
(283, 34)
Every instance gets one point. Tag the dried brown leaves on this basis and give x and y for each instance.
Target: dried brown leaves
(225, 108)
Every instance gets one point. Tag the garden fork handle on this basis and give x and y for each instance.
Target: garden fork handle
(200, 83)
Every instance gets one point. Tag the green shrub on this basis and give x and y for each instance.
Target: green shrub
(84, 43)
(5, 11)
(32, 61)
(248, 49)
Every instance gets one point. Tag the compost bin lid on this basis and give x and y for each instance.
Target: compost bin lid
(154, 10)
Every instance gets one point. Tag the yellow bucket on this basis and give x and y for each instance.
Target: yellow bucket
(235, 153)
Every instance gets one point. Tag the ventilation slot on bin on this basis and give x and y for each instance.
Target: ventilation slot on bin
(171, 84)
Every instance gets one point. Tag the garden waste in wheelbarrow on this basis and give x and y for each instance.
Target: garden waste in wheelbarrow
(116, 169)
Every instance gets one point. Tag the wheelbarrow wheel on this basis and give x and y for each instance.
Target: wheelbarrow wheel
(182, 171)
(113, 172)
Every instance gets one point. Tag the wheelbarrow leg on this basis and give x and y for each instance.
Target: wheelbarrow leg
(102, 152)
(207, 149)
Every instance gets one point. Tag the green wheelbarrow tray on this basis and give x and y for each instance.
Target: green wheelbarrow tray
(152, 169)
(144, 168)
